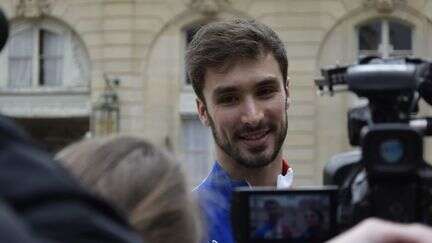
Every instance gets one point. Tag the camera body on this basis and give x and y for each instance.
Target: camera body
(390, 179)
(386, 178)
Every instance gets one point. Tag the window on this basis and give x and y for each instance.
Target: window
(48, 61)
(196, 141)
(385, 38)
(43, 53)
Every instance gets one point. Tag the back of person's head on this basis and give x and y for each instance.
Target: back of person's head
(140, 179)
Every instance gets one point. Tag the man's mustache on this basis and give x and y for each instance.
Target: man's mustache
(248, 128)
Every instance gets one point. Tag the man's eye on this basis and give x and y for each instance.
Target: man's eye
(266, 92)
(227, 99)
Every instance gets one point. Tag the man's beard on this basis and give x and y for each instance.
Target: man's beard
(257, 160)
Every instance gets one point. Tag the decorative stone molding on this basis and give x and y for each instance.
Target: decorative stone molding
(208, 7)
(33, 8)
(383, 6)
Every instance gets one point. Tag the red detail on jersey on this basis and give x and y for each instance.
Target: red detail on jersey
(285, 166)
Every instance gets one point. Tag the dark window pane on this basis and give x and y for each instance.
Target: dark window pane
(400, 36)
(370, 36)
(51, 58)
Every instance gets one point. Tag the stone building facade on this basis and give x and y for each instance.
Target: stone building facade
(67, 46)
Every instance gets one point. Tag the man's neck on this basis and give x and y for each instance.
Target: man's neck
(262, 176)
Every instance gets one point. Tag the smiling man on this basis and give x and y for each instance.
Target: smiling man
(238, 70)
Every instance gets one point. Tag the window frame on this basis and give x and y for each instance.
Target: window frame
(385, 49)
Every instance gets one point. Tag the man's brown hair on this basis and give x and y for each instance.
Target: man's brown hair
(220, 44)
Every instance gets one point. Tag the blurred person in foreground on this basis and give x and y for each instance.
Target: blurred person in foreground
(48, 201)
(141, 180)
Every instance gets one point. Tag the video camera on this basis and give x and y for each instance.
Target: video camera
(387, 178)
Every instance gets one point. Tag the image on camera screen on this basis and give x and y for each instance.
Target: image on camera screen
(292, 218)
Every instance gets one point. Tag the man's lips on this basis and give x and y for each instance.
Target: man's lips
(254, 135)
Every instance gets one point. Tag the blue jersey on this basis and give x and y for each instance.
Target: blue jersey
(214, 198)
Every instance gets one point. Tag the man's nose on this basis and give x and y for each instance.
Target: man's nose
(252, 113)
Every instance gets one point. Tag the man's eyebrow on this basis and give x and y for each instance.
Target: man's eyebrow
(268, 81)
(222, 90)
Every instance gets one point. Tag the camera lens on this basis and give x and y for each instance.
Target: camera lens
(391, 150)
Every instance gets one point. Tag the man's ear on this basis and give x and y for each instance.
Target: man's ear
(202, 112)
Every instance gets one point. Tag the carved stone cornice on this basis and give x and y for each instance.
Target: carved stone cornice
(33, 8)
(208, 7)
(383, 6)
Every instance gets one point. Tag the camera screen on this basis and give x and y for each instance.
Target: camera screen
(295, 217)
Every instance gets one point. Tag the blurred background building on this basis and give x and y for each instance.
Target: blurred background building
(75, 68)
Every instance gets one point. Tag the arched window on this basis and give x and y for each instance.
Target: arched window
(385, 38)
(43, 53)
(47, 64)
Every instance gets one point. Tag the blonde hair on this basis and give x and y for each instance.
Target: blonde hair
(140, 179)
